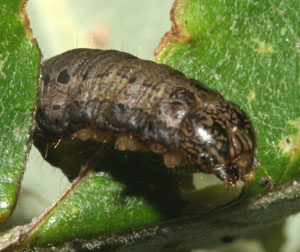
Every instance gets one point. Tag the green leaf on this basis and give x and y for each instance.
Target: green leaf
(19, 70)
(118, 197)
(246, 220)
(249, 51)
(99, 205)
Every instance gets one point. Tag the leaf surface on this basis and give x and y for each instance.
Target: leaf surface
(19, 71)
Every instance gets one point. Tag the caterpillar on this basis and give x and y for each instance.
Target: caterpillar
(114, 97)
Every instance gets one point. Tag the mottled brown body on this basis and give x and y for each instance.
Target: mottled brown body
(153, 104)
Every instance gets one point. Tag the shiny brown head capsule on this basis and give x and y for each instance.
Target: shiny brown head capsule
(219, 138)
(111, 96)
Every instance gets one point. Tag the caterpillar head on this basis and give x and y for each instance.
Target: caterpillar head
(219, 138)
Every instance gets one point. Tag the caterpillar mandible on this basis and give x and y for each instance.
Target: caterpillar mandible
(112, 96)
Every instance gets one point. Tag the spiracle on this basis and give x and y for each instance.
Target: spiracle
(114, 97)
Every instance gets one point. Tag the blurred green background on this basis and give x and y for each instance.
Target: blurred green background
(134, 26)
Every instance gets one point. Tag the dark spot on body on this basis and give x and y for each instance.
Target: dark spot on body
(76, 103)
(150, 126)
(95, 100)
(100, 75)
(56, 107)
(120, 106)
(63, 77)
(46, 79)
(85, 76)
(86, 117)
(176, 103)
(183, 95)
(148, 85)
(288, 141)
(132, 80)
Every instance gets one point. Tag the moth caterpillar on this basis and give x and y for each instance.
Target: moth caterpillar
(112, 96)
